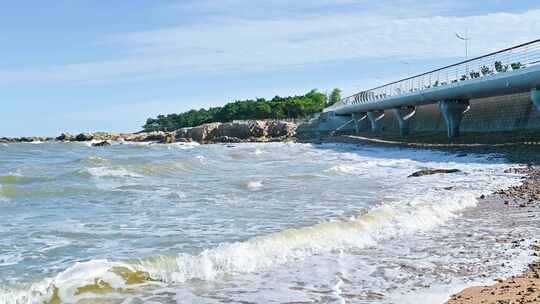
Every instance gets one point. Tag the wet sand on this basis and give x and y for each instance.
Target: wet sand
(524, 288)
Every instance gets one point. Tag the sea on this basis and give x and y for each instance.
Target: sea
(252, 223)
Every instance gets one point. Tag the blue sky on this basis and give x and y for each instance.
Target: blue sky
(77, 65)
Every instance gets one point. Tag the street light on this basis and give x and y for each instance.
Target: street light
(465, 38)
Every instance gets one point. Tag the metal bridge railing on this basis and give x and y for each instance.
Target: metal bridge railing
(515, 58)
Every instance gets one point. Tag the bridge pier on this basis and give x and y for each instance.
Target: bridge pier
(402, 115)
(535, 97)
(358, 117)
(374, 117)
(452, 111)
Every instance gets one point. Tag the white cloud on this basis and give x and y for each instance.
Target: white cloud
(260, 45)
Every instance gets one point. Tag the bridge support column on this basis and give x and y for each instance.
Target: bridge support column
(452, 111)
(374, 117)
(358, 117)
(535, 97)
(402, 115)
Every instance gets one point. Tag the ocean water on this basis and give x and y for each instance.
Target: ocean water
(251, 223)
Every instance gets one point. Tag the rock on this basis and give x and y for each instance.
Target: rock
(433, 171)
(181, 135)
(105, 136)
(66, 137)
(6, 140)
(227, 139)
(157, 136)
(203, 133)
(84, 137)
(258, 128)
(239, 130)
(281, 129)
(101, 144)
(136, 137)
(169, 138)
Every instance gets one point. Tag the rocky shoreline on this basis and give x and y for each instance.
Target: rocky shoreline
(523, 288)
(231, 132)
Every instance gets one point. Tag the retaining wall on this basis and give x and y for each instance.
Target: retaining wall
(507, 113)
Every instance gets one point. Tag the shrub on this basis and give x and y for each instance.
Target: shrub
(500, 68)
(486, 71)
(516, 65)
(474, 74)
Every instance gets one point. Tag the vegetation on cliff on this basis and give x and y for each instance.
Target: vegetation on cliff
(275, 108)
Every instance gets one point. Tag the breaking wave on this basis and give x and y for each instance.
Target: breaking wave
(101, 172)
(102, 278)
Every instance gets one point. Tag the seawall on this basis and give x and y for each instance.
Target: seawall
(501, 118)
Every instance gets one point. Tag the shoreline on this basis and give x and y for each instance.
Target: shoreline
(525, 156)
(524, 287)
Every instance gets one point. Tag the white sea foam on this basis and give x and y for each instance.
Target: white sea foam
(255, 185)
(183, 146)
(264, 252)
(10, 259)
(111, 172)
(259, 152)
(345, 169)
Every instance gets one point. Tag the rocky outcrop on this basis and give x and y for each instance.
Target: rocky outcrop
(433, 171)
(101, 144)
(24, 139)
(84, 137)
(231, 132)
(66, 137)
(278, 129)
(203, 133)
(105, 136)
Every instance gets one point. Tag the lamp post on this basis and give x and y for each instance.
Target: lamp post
(465, 38)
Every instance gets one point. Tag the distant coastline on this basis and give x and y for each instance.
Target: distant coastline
(231, 132)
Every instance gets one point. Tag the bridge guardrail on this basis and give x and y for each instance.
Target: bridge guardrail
(514, 58)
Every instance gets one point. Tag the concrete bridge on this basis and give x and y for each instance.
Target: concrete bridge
(515, 70)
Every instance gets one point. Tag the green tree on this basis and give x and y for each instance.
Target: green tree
(260, 108)
(335, 96)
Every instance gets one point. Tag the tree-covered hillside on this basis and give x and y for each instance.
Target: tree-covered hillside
(275, 108)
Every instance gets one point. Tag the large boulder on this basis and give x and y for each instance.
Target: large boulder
(66, 137)
(203, 133)
(158, 136)
(101, 144)
(170, 138)
(84, 137)
(433, 171)
(135, 137)
(258, 128)
(182, 135)
(281, 129)
(105, 136)
(239, 130)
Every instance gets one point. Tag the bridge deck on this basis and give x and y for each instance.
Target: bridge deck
(509, 71)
